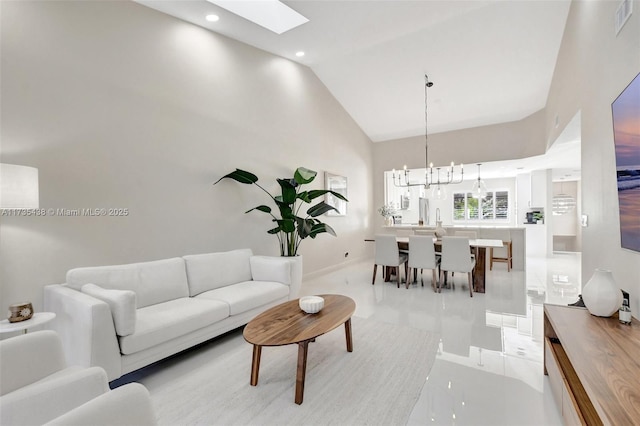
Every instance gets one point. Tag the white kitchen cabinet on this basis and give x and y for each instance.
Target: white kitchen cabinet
(539, 189)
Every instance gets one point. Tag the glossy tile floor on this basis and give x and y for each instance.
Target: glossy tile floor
(488, 370)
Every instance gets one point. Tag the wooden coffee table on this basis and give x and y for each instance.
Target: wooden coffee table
(287, 324)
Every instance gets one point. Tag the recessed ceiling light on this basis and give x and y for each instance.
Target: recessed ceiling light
(270, 14)
(300, 54)
(212, 18)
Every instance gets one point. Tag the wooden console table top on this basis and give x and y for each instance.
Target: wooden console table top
(605, 355)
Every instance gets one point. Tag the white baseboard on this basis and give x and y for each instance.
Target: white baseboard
(332, 268)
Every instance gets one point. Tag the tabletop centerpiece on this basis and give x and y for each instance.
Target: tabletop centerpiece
(387, 211)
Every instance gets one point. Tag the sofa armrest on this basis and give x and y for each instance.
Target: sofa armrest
(53, 396)
(85, 326)
(23, 362)
(285, 270)
(127, 405)
(269, 268)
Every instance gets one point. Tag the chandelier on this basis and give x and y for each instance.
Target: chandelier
(448, 173)
(562, 203)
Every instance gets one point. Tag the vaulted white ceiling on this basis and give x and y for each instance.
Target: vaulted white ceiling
(491, 61)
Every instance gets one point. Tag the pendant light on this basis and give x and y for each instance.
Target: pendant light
(438, 192)
(479, 189)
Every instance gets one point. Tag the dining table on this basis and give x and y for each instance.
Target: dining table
(479, 248)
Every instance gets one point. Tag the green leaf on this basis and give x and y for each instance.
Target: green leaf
(338, 195)
(320, 228)
(288, 191)
(315, 193)
(304, 175)
(320, 209)
(240, 176)
(304, 227)
(274, 230)
(287, 225)
(285, 210)
(304, 196)
(319, 192)
(262, 208)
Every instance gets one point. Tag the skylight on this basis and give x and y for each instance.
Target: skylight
(270, 14)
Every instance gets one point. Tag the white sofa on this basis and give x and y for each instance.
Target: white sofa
(124, 317)
(38, 388)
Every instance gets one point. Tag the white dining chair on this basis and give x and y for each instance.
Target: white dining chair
(387, 255)
(404, 233)
(422, 254)
(429, 233)
(472, 235)
(456, 257)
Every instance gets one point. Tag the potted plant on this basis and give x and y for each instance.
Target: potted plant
(387, 211)
(292, 227)
(538, 217)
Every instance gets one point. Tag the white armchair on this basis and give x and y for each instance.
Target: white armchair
(38, 387)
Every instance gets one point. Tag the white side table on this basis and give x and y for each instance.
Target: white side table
(38, 318)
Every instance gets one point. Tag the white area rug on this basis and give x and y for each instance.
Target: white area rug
(377, 384)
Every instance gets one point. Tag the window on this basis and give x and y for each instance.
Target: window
(494, 206)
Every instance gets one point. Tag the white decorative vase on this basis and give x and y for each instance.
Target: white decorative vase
(440, 231)
(388, 221)
(601, 295)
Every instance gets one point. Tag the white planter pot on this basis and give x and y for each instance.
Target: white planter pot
(601, 295)
(296, 276)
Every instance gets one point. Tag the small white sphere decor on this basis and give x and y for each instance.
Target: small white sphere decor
(311, 304)
(601, 295)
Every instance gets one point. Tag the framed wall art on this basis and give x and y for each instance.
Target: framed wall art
(337, 184)
(626, 135)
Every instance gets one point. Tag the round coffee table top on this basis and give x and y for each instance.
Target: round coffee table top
(287, 323)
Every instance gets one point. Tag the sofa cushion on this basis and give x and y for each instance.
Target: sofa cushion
(214, 270)
(165, 321)
(247, 295)
(152, 282)
(122, 304)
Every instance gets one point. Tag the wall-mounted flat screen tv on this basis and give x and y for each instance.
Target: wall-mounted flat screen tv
(626, 135)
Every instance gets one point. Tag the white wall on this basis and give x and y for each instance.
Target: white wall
(120, 106)
(594, 66)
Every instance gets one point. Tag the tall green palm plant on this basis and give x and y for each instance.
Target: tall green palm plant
(291, 228)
